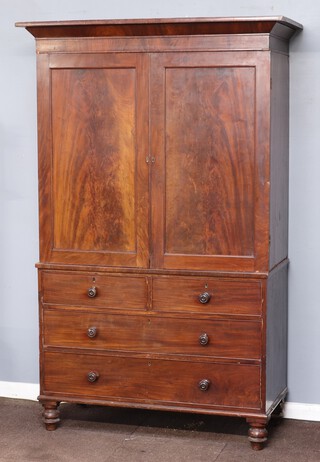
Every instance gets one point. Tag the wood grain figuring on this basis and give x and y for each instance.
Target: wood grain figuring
(170, 28)
(44, 157)
(238, 169)
(160, 44)
(93, 117)
(163, 192)
(282, 26)
(209, 160)
(227, 296)
(153, 271)
(262, 163)
(88, 213)
(112, 291)
(169, 381)
(152, 334)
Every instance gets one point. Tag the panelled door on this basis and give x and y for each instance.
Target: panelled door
(209, 139)
(93, 135)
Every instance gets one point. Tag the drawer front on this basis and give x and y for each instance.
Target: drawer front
(177, 382)
(110, 291)
(152, 334)
(218, 295)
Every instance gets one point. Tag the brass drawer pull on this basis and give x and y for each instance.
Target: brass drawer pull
(204, 385)
(204, 297)
(204, 339)
(92, 332)
(92, 376)
(92, 292)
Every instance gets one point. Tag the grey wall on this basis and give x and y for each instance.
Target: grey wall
(18, 173)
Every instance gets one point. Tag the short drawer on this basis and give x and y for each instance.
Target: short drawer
(176, 382)
(207, 295)
(95, 290)
(152, 334)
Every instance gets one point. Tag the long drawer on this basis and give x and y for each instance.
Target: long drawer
(152, 334)
(107, 377)
(95, 290)
(207, 295)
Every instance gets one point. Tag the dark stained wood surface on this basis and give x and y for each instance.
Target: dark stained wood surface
(276, 336)
(165, 26)
(156, 44)
(111, 291)
(94, 179)
(168, 381)
(162, 175)
(279, 159)
(232, 20)
(209, 129)
(93, 152)
(227, 296)
(152, 334)
(209, 160)
(149, 271)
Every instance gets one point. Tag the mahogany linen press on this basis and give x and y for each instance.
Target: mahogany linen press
(163, 192)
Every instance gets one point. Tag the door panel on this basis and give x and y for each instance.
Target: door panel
(209, 161)
(99, 179)
(93, 152)
(204, 122)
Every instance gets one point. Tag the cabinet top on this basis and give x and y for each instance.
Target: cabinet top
(279, 26)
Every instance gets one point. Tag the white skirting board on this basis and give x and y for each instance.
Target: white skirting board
(302, 411)
(19, 390)
(299, 411)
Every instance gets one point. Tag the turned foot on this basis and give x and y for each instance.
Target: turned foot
(257, 435)
(51, 415)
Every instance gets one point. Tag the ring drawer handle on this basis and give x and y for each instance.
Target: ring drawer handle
(92, 376)
(204, 385)
(92, 332)
(204, 339)
(92, 292)
(204, 297)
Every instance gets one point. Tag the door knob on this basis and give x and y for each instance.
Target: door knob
(92, 292)
(92, 332)
(92, 376)
(204, 384)
(204, 339)
(204, 297)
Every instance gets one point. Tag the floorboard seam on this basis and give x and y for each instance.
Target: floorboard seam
(218, 455)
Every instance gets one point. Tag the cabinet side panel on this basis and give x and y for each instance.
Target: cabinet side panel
(279, 167)
(277, 334)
